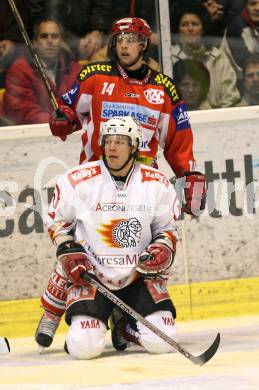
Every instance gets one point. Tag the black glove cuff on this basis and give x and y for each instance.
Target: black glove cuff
(68, 247)
(195, 173)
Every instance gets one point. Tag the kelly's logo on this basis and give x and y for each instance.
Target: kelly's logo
(150, 175)
(83, 174)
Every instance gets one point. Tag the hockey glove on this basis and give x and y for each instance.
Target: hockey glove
(156, 259)
(74, 261)
(63, 122)
(195, 193)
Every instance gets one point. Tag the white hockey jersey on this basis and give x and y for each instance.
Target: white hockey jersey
(114, 225)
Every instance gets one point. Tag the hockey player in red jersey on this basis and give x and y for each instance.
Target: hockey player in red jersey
(125, 86)
(125, 236)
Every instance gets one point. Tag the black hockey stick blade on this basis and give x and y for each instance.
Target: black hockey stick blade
(4, 346)
(208, 354)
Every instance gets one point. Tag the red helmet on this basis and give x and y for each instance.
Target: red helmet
(131, 25)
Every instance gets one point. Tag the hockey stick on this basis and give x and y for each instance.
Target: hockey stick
(34, 55)
(200, 360)
(4, 346)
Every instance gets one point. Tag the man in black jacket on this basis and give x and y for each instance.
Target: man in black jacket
(243, 33)
(86, 22)
(10, 36)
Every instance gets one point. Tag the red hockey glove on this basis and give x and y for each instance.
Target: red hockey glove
(63, 122)
(195, 193)
(74, 261)
(156, 259)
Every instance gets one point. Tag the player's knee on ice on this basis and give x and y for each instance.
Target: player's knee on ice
(86, 337)
(164, 321)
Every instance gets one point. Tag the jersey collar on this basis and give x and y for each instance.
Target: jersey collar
(129, 80)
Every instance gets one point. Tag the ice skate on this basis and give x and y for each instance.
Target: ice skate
(117, 322)
(46, 330)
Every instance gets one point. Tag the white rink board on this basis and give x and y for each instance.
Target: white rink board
(226, 144)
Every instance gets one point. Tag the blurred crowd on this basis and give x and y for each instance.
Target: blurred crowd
(215, 50)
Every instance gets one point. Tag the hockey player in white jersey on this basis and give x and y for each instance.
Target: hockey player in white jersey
(115, 219)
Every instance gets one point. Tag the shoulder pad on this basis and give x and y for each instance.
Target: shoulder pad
(152, 174)
(103, 67)
(168, 84)
(84, 173)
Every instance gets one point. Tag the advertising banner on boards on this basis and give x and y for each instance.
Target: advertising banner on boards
(220, 244)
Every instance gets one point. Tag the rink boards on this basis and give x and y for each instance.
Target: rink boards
(215, 274)
(198, 301)
(216, 267)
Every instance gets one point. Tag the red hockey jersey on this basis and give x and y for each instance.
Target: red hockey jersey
(104, 90)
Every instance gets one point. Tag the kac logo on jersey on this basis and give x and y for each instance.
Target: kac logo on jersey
(181, 117)
(121, 233)
(70, 96)
(154, 96)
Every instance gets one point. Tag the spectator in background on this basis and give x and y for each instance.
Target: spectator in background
(26, 100)
(251, 81)
(190, 44)
(220, 13)
(85, 23)
(243, 33)
(193, 81)
(10, 37)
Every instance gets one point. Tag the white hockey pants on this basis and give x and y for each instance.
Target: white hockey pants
(86, 335)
